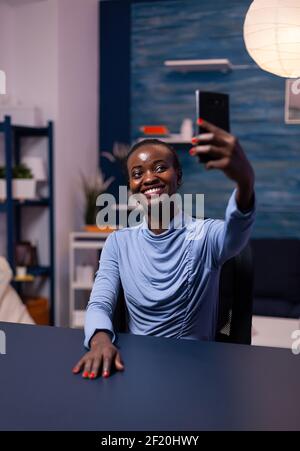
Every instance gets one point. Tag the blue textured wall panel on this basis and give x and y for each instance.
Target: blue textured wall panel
(196, 29)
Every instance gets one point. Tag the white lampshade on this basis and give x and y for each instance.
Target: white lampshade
(272, 36)
(37, 166)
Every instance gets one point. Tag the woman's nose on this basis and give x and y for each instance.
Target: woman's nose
(150, 177)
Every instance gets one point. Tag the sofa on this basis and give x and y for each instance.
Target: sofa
(12, 308)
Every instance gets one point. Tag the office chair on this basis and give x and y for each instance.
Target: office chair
(235, 301)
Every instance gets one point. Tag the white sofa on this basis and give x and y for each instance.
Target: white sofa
(12, 308)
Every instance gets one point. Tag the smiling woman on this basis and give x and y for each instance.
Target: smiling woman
(170, 276)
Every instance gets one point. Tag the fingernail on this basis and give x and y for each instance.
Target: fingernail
(105, 374)
(92, 375)
(85, 374)
(194, 140)
(192, 152)
(200, 121)
(75, 370)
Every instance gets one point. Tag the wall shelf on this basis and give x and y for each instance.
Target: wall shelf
(43, 202)
(26, 278)
(171, 139)
(206, 65)
(200, 65)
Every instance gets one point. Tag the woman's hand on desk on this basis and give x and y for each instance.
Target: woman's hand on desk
(102, 355)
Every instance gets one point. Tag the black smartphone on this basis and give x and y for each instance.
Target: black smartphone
(214, 108)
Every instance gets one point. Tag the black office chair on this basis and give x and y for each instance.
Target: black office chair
(235, 301)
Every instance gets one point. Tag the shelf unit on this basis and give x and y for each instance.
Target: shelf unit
(81, 241)
(12, 208)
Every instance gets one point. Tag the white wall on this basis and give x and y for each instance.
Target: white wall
(77, 124)
(6, 43)
(36, 56)
(49, 49)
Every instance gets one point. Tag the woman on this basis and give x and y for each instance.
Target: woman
(170, 282)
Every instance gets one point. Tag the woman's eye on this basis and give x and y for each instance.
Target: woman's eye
(160, 168)
(136, 174)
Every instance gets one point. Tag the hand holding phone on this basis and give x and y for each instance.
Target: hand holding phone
(214, 108)
(218, 148)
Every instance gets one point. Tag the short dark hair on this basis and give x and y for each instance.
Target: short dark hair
(156, 142)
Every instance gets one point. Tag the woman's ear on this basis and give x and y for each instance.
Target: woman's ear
(179, 178)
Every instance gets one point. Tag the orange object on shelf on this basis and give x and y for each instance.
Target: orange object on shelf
(25, 278)
(95, 228)
(155, 130)
(38, 308)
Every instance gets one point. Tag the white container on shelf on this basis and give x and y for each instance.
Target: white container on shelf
(24, 189)
(186, 130)
(21, 271)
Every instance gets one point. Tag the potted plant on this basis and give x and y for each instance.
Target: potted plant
(23, 183)
(92, 188)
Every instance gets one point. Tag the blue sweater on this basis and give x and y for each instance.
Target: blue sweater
(170, 280)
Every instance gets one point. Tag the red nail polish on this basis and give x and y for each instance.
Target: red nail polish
(92, 375)
(200, 121)
(105, 374)
(75, 370)
(85, 374)
(191, 152)
(194, 140)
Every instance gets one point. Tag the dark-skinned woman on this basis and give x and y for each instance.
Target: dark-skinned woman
(170, 282)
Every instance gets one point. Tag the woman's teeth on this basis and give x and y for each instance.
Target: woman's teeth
(152, 190)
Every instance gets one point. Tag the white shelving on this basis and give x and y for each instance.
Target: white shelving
(81, 241)
(78, 318)
(81, 286)
(173, 138)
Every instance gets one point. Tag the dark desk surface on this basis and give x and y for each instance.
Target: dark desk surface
(168, 384)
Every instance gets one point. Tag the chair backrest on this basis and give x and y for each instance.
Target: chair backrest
(235, 301)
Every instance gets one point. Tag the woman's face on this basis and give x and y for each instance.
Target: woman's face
(151, 171)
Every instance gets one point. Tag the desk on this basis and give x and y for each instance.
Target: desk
(168, 384)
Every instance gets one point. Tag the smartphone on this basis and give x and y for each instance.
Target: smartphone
(214, 108)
